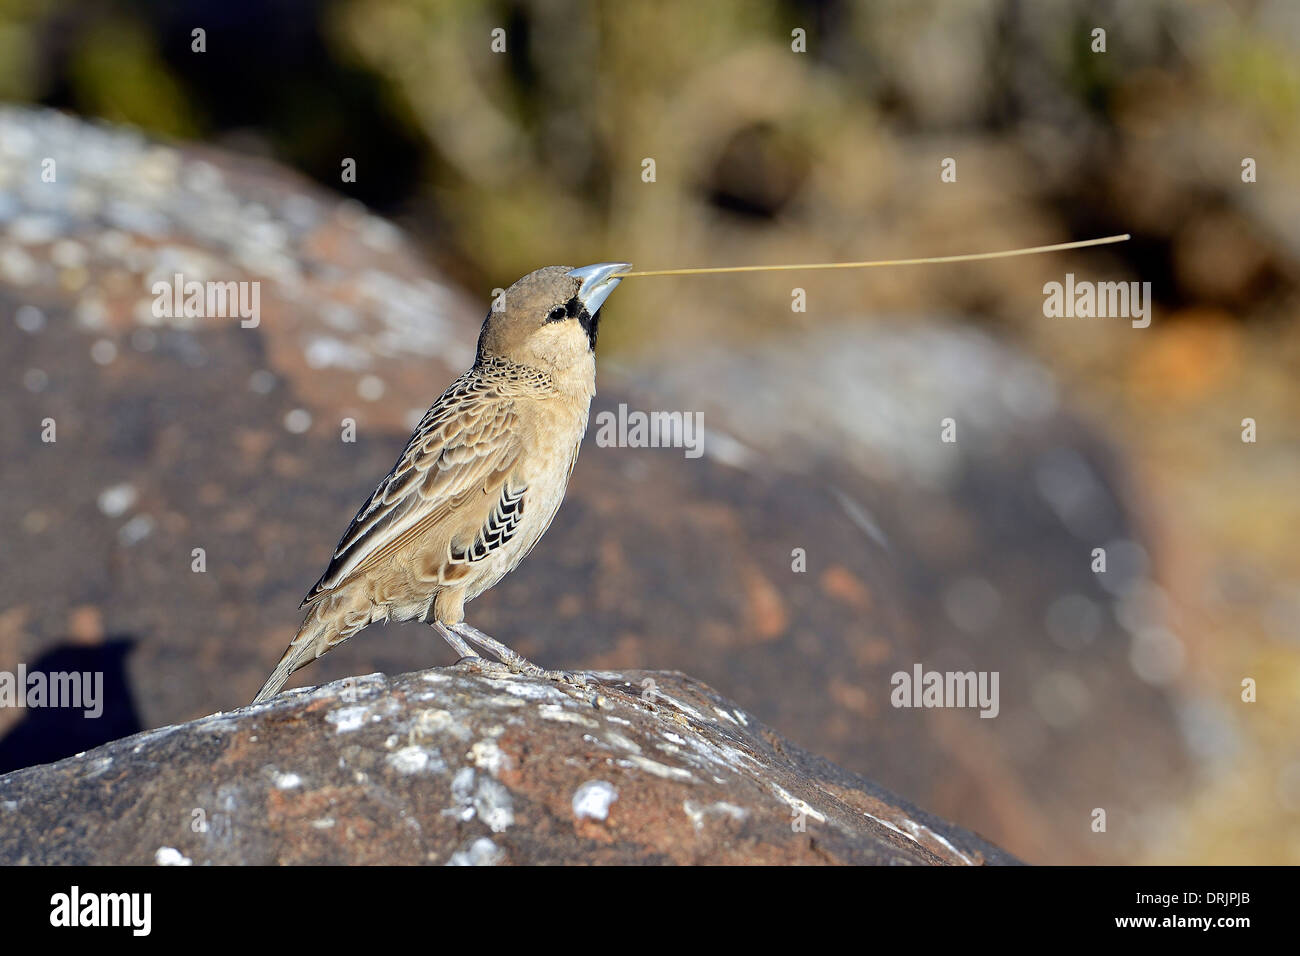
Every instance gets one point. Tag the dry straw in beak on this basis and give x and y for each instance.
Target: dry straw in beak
(970, 257)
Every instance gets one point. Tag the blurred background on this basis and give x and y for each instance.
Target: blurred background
(474, 167)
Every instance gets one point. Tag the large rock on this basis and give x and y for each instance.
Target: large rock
(451, 766)
(176, 435)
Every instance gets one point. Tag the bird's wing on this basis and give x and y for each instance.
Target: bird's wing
(466, 446)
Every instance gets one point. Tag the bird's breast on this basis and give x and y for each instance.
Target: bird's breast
(552, 446)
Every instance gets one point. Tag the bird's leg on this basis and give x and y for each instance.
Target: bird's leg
(448, 635)
(466, 652)
(516, 662)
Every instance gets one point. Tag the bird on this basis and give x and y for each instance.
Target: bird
(478, 482)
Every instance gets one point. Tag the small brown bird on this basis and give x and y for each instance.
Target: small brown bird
(478, 482)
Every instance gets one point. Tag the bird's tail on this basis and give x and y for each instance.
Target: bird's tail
(316, 636)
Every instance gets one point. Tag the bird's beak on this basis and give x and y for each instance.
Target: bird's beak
(598, 282)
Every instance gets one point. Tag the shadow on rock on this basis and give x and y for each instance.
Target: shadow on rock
(84, 701)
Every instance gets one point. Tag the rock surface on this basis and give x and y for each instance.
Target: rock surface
(450, 766)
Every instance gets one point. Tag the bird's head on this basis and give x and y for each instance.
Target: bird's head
(548, 319)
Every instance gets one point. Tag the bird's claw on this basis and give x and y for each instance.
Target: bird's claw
(523, 667)
(482, 665)
(559, 677)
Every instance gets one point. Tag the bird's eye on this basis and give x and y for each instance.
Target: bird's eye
(555, 314)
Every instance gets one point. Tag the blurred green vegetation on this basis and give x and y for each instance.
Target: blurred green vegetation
(119, 75)
(503, 160)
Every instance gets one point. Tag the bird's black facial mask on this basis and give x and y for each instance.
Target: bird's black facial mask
(574, 309)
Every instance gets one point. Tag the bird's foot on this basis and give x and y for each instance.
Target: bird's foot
(514, 662)
(573, 678)
(481, 665)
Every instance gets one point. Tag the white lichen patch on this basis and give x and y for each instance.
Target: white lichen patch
(698, 813)
(217, 723)
(436, 722)
(170, 856)
(614, 738)
(151, 736)
(97, 767)
(502, 700)
(486, 755)
(482, 796)
(493, 804)
(532, 691)
(482, 852)
(462, 795)
(414, 759)
(800, 806)
(591, 801)
(921, 833)
(287, 781)
(658, 769)
(710, 755)
(889, 824)
(347, 719)
(558, 713)
(686, 709)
